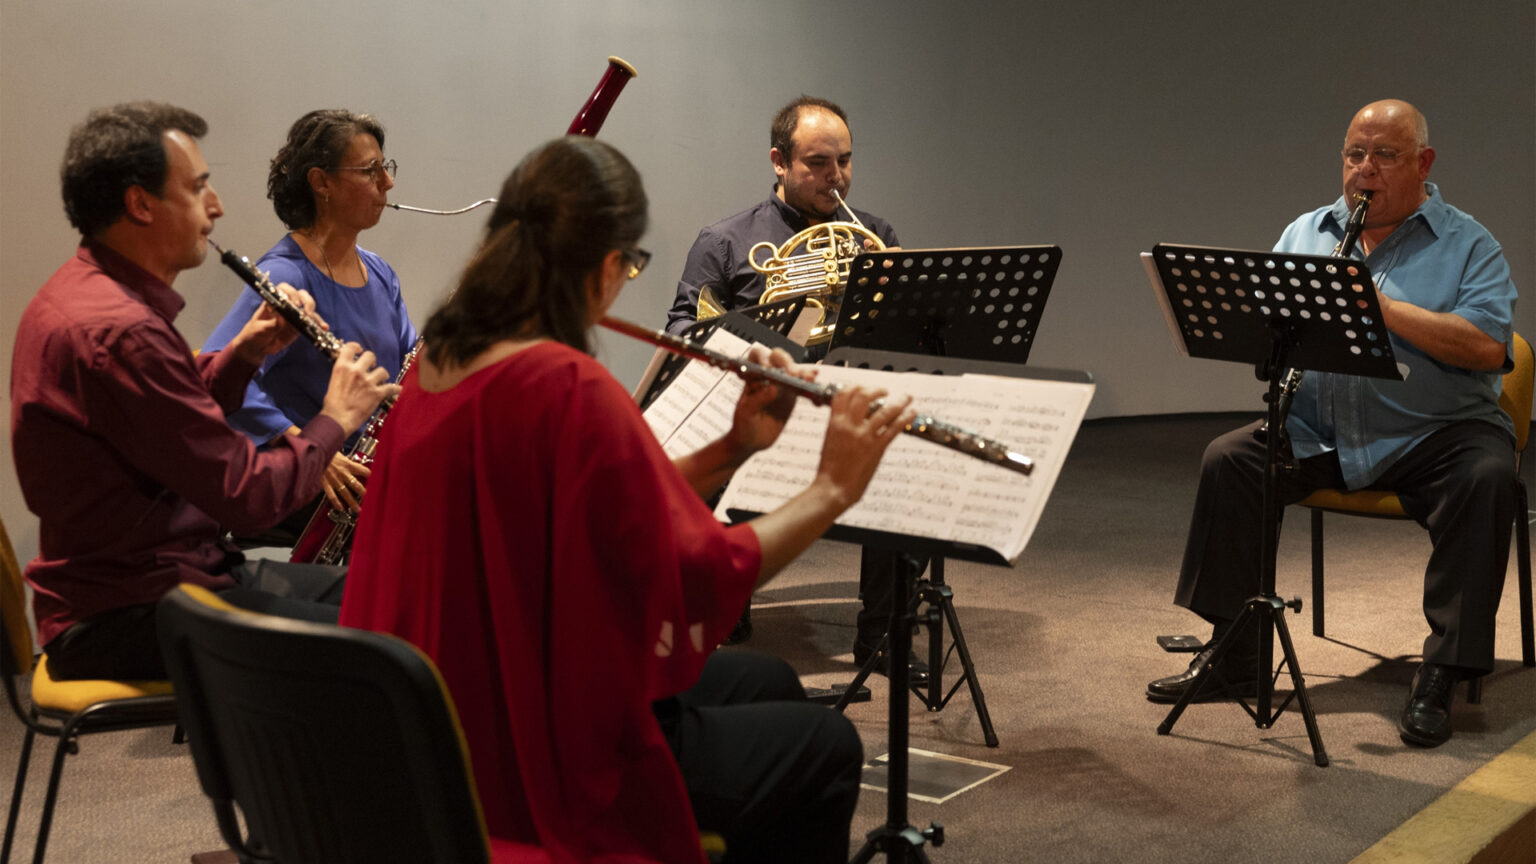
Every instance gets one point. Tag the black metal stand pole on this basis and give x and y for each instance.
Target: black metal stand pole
(1269, 608)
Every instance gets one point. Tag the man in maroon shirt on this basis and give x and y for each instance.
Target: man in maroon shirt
(118, 432)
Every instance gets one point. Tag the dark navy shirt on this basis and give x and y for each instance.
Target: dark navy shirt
(719, 258)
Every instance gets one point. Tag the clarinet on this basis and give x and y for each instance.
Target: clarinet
(1342, 249)
(925, 427)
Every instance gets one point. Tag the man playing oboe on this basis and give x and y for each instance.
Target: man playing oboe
(119, 434)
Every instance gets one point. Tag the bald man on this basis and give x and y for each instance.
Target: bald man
(1438, 438)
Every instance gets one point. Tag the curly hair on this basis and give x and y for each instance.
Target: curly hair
(114, 149)
(316, 140)
(560, 212)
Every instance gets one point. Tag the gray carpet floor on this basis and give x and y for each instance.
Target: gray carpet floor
(1063, 645)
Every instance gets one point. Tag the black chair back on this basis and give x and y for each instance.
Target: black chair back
(337, 745)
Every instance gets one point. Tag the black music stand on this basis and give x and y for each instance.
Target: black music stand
(1277, 311)
(897, 837)
(981, 304)
(961, 305)
(767, 324)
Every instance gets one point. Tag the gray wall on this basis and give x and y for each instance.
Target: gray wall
(1101, 127)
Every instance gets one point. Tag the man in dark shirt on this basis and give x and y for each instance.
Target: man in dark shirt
(811, 150)
(812, 154)
(119, 436)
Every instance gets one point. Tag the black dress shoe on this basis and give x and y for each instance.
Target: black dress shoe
(1426, 719)
(1239, 676)
(917, 670)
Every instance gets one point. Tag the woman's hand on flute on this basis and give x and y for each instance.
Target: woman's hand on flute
(855, 442)
(764, 407)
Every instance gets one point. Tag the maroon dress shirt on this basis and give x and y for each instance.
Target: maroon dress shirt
(123, 451)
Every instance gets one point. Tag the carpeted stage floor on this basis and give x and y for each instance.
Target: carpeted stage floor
(1063, 644)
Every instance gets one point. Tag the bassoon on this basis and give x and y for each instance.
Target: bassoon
(327, 539)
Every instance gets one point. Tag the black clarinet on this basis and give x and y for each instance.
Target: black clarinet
(1342, 249)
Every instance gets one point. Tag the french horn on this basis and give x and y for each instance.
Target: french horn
(812, 264)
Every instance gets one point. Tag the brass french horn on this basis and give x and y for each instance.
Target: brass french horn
(812, 264)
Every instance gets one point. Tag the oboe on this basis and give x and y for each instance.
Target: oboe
(323, 339)
(925, 427)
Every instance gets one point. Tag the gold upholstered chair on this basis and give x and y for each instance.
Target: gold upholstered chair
(1516, 402)
(64, 710)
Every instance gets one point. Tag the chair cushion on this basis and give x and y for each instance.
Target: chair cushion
(1365, 502)
(73, 696)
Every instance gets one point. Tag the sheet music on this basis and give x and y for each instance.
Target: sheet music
(697, 407)
(925, 490)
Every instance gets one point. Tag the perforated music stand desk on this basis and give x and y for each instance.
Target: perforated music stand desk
(1276, 311)
(976, 303)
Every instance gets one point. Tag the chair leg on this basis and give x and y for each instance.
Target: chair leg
(1317, 572)
(1523, 565)
(67, 741)
(21, 781)
(1475, 691)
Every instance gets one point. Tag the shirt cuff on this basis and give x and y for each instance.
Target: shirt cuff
(324, 433)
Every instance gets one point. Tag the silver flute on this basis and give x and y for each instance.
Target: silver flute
(925, 427)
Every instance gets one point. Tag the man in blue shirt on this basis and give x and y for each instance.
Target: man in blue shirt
(1437, 438)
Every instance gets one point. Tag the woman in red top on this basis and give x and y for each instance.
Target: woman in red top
(526, 530)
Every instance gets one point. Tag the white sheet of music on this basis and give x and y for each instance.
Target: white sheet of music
(697, 407)
(921, 488)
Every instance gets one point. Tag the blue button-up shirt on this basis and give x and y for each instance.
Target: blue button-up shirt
(1443, 260)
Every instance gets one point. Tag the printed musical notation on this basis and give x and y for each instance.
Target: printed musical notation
(921, 489)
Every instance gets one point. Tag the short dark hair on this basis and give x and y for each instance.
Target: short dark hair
(561, 211)
(114, 149)
(782, 134)
(316, 140)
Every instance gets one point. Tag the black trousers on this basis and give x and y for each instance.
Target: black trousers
(1458, 483)
(876, 569)
(775, 776)
(124, 644)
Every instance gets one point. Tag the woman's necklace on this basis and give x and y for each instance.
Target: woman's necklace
(327, 259)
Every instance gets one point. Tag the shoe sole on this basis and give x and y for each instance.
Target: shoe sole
(1207, 694)
(1419, 740)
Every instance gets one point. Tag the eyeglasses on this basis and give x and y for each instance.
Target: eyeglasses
(1385, 157)
(375, 169)
(637, 259)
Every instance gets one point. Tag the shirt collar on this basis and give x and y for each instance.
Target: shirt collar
(1432, 212)
(792, 217)
(135, 279)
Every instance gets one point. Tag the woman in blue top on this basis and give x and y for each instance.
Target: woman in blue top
(328, 183)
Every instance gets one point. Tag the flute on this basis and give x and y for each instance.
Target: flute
(923, 426)
(323, 339)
